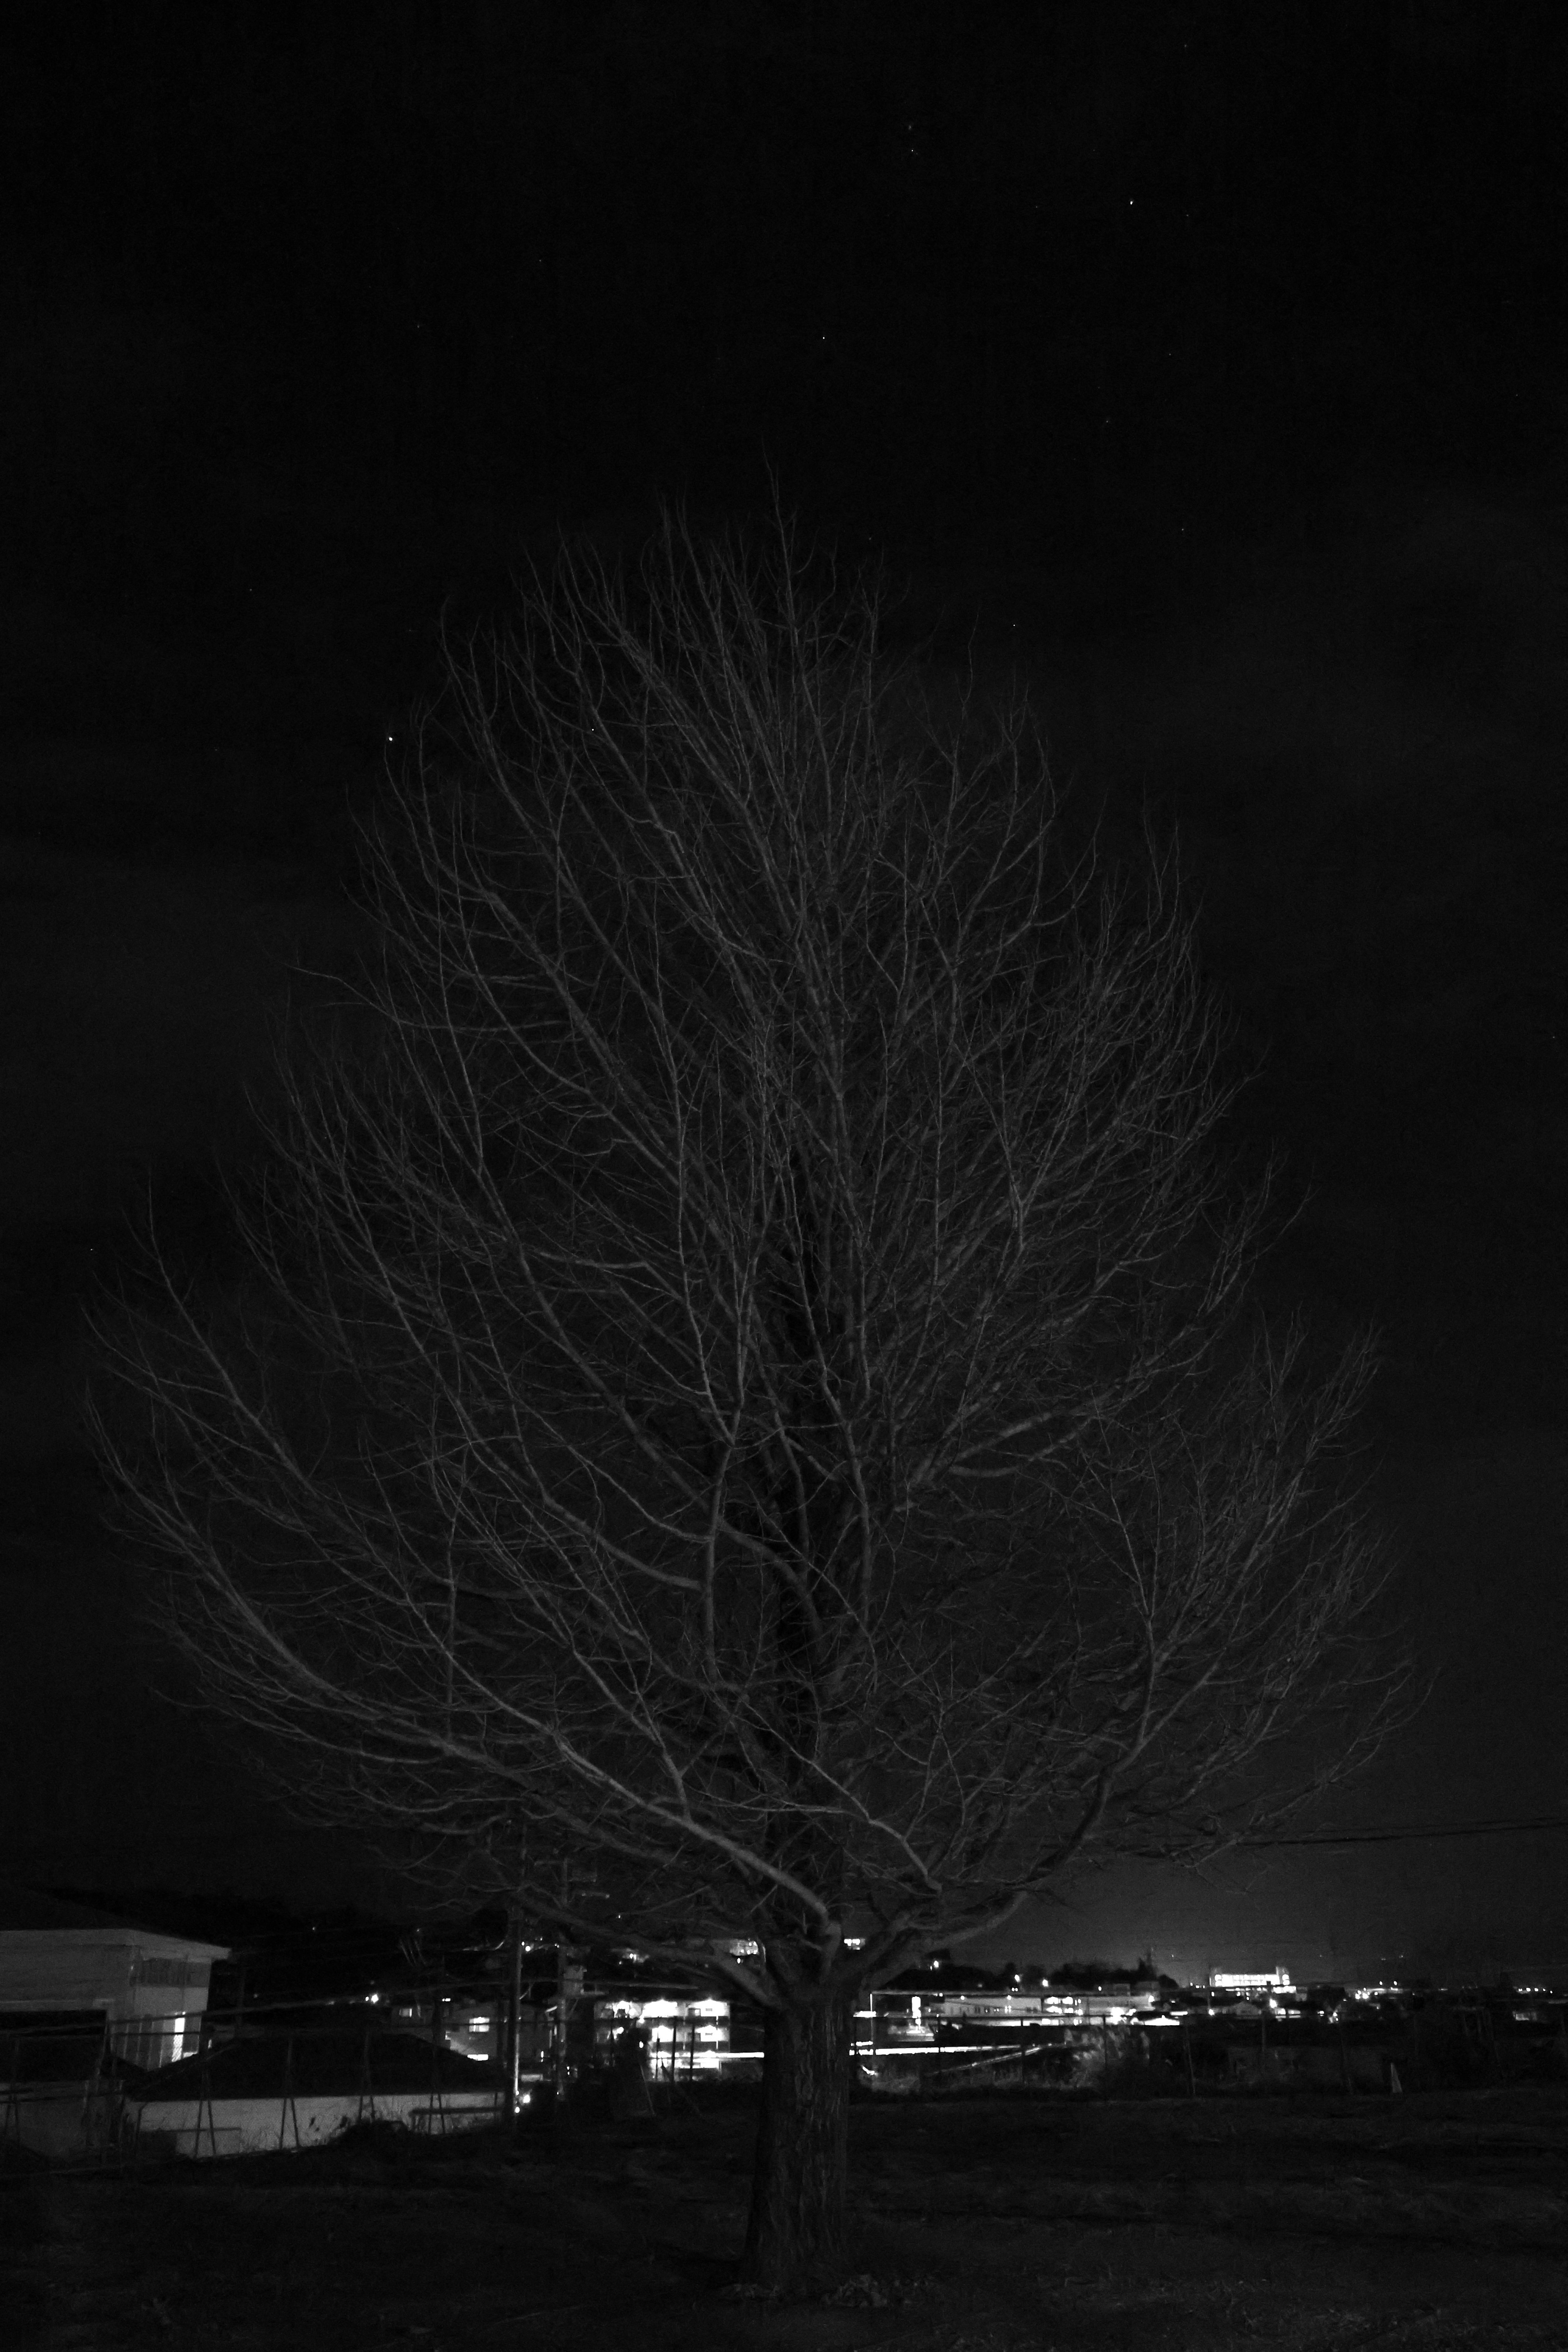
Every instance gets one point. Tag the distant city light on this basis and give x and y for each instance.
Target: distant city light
(1268, 1980)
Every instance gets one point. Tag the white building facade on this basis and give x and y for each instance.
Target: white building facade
(61, 1959)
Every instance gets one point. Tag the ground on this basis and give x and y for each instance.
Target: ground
(1427, 2223)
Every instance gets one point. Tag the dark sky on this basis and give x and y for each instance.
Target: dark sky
(1208, 361)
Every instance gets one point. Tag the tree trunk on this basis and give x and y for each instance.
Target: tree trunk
(794, 2240)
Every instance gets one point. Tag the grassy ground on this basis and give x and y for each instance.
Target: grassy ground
(1431, 2223)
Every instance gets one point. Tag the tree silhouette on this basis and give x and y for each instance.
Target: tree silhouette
(744, 1375)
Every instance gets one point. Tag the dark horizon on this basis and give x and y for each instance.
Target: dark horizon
(1203, 367)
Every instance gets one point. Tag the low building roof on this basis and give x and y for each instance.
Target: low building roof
(259, 2065)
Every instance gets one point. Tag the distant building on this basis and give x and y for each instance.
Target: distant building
(684, 2032)
(61, 1961)
(902, 2014)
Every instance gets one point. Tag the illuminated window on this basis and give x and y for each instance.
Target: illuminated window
(151, 2040)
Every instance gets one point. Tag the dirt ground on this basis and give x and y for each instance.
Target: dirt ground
(1427, 2223)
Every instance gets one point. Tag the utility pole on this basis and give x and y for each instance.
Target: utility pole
(570, 1969)
(564, 1957)
(514, 2014)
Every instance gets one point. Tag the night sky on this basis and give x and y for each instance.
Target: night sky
(1204, 363)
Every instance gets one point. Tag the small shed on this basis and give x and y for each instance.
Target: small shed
(61, 1960)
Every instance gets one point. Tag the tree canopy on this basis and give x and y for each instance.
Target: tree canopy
(746, 1376)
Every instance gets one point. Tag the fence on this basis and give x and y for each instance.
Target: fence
(60, 2087)
(1088, 2041)
(1435, 2042)
(67, 2091)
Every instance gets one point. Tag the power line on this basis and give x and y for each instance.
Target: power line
(1430, 1829)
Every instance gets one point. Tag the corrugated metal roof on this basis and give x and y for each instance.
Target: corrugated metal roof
(318, 2059)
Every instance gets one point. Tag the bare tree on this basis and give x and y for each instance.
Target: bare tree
(746, 1372)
